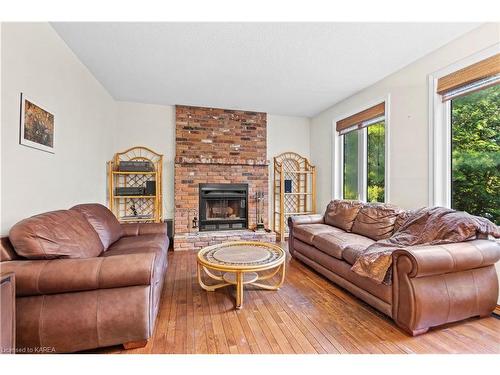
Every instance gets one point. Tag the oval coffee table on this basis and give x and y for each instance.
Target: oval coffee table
(239, 263)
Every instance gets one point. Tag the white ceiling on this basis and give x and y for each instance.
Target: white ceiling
(281, 68)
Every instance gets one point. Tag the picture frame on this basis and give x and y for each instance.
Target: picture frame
(37, 125)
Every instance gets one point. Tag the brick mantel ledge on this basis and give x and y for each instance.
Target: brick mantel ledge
(221, 161)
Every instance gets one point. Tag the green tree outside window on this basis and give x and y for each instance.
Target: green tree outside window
(475, 126)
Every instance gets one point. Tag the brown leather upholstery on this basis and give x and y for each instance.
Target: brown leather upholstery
(67, 305)
(453, 257)
(56, 234)
(6, 250)
(376, 221)
(342, 213)
(157, 241)
(103, 221)
(425, 298)
(136, 229)
(36, 277)
(352, 252)
(431, 285)
(7, 313)
(295, 221)
(69, 322)
(382, 291)
(307, 232)
(334, 243)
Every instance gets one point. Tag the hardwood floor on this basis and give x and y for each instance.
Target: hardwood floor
(309, 314)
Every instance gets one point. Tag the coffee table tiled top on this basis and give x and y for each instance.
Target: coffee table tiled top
(241, 255)
(239, 263)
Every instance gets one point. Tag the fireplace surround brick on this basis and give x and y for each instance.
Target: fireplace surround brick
(216, 145)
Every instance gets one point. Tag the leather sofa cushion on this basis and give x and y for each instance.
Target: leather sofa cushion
(376, 221)
(103, 221)
(343, 270)
(56, 234)
(147, 243)
(137, 229)
(334, 244)
(307, 232)
(7, 252)
(133, 244)
(352, 252)
(37, 277)
(342, 213)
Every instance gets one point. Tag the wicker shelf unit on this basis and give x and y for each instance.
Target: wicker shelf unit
(299, 196)
(136, 208)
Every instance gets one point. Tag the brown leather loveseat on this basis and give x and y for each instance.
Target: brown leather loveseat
(431, 285)
(83, 280)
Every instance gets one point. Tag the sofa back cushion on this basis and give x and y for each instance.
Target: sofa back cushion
(376, 221)
(56, 234)
(342, 213)
(103, 221)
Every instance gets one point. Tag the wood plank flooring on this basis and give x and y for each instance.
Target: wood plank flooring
(309, 314)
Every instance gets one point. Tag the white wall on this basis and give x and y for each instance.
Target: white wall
(35, 61)
(285, 133)
(89, 128)
(152, 126)
(408, 120)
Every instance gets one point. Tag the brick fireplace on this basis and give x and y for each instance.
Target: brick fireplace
(218, 146)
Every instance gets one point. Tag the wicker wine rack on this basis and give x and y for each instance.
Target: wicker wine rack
(294, 189)
(136, 208)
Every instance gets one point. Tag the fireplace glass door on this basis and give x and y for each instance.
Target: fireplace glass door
(225, 209)
(223, 206)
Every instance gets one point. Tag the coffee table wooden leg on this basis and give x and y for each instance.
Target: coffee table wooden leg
(239, 290)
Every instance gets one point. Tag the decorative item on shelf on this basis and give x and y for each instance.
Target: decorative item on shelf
(129, 191)
(150, 188)
(136, 166)
(134, 211)
(135, 189)
(294, 189)
(259, 208)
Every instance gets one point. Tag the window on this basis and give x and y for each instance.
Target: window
(376, 162)
(363, 154)
(475, 153)
(465, 173)
(351, 165)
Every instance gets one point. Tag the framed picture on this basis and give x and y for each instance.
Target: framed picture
(37, 126)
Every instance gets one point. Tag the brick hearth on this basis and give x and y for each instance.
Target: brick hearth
(218, 146)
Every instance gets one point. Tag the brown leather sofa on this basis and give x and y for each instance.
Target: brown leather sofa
(83, 280)
(431, 285)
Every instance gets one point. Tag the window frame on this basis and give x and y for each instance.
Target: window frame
(337, 187)
(440, 141)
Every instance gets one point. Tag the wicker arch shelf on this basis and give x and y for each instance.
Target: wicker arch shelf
(145, 207)
(294, 189)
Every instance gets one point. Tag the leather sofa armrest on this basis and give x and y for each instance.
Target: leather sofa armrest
(37, 277)
(440, 259)
(305, 219)
(137, 229)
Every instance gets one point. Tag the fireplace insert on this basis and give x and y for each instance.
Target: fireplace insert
(223, 206)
